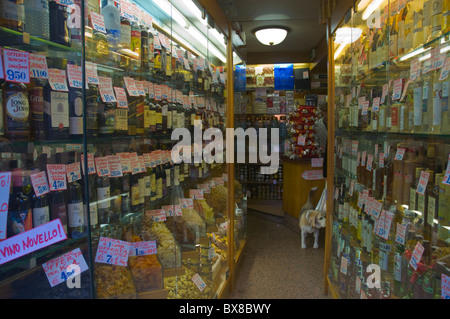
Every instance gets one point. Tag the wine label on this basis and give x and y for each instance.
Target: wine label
(41, 215)
(103, 197)
(58, 109)
(75, 214)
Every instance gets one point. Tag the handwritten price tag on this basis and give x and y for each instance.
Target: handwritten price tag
(125, 162)
(445, 286)
(130, 85)
(102, 165)
(17, 66)
(142, 248)
(196, 193)
(90, 162)
(73, 172)
(40, 184)
(57, 177)
(187, 202)
(38, 66)
(91, 73)
(115, 166)
(416, 255)
(2, 73)
(74, 76)
(158, 215)
(134, 164)
(400, 234)
(376, 104)
(5, 183)
(57, 79)
(112, 251)
(198, 281)
(62, 268)
(98, 22)
(399, 154)
(106, 90)
(423, 181)
(383, 224)
(121, 96)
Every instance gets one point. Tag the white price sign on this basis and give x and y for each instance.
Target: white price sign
(17, 66)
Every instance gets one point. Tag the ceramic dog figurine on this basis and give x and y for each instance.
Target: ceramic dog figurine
(311, 220)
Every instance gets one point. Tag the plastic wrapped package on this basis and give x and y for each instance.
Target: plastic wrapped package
(169, 252)
(146, 271)
(114, 282)
(183, 287)
(194, 221)
(202, 207)
(181, 231)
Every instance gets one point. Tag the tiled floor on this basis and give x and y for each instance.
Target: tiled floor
(274, 265)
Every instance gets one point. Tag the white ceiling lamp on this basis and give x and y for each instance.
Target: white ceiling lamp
(172, 12)
(271, 35)
(195, 11)
(371, 8)
(345, 36)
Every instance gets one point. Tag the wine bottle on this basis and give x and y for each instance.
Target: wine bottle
(103, 186)
(93, 208)
(116, 203)
(106, 118)
(135, 196)
(40, 204)
(20, 215)
(16, 111)
(75, 210)
(111, 16)
(58, 201)
(92, 110)
(75, 113)
(36, 96)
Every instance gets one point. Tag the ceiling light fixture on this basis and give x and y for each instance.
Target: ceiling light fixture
(271, 35)
(172, 12)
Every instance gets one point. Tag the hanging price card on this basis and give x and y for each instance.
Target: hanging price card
(121, 96)
(151, 90)
(384, 92)
(65, 2)
(130, 85)
(383, 224)
(140, 87)
(5, 183)
(354, 148)
(301, 140)
(112, 251)
(169, 209)
(397, 91)
(57, 177)
(62, 268)
(376, 104)
(134, 164)
(416, 255)
(106, 90)
(399, 154)
(98, 22)
(57, 79)
(32, 240)
(17, 66)
(125, 162)
(142, 248)
(363, 158)
(91, 73)
(102, 165)
(177, 210)
(157, 215)
(2, 73)
(196, 193)
(405, 89)
(73, 172)
(369, 162)
(446, 179)
(157, 90)
(423, 181)
(400, 234)
(376, 209)
(198, 281)
(115, 166)
(90, 162)
(445, 286)
(187, 203)
(317, 162)
(40, 184)
(344, 265)
(74, 76)
(445, 69)
(38, 66)
(141, 163)
(414, 70)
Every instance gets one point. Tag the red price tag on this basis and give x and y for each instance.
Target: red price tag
(73, 172)
(57, 177)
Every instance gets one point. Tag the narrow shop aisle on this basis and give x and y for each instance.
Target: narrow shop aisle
(275, 266)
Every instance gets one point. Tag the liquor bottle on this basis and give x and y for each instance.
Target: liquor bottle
(388, 178)
(145, 49)
(413, 188)
(135, 196)
(418, 25)
(432, 202)
(111, 16)
(168, 169)
(135, 44)
(142, 186)
(401, 23)
(445, 125)
(152, 111)
(140, 112)
(125, 33)
(92, 110)
(103, 186)
(58, 202)
(93, 209)
(16, 111)
(428, 285)
(148, 187)
(436, 18)
(409, 27)
(40, 204)
(445, 16)
(153, 189)
(116, 201)
(436, 106)
(37, 21)
(417, 108)
(422, 205)
(132, 111)
(159, 116)
(126, 193)
(393, 37)
(99, 47)
(443, 215)
(75, 113)
(56, 114)
(59, 30)
(147, 116)
(75, 209)
(106, 118)
(159, 182)
(36, 96)
(20, 215)
(427, 10)
(12, 14)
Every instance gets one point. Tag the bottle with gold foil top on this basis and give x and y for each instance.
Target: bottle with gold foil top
(445, 16)
(436, 18)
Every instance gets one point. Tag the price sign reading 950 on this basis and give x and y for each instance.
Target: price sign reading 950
(5, 182)
(17, 66)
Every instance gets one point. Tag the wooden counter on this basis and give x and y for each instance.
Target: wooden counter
(296, 188)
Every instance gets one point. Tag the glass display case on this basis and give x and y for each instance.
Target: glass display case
(390, 215)
(97, 97)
